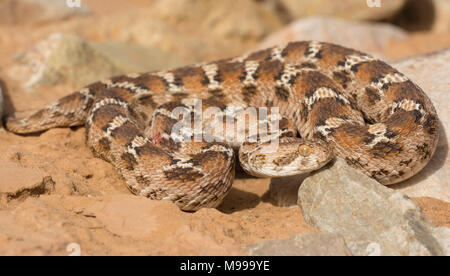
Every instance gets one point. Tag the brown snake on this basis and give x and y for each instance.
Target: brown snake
(339, 100)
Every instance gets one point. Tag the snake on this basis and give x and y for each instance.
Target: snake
(329, 102)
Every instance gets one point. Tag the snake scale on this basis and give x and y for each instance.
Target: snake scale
(339, 100)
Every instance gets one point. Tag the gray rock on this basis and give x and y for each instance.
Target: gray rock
(373, 219)
(431, 72)
(372, 38)
(443, 236)
(317, 244)
(62, 59)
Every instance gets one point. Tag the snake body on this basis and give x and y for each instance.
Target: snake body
(364, 110)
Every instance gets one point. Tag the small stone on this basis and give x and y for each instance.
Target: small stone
(61, 59)
(19, 183)
(316, 244)
(373, 219)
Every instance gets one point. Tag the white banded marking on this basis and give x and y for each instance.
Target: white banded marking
(353, 60)
(250, 68)
(170, 79)
(323, 93)
(211, 72)
(275, 53)
(388, 79)
(313, 49)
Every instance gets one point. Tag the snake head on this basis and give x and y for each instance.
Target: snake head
(287, 157)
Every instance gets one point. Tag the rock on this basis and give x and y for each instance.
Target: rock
(37, 11)
(373, 219)
(283, 191)
(350, 9)
(430, 72)
(60, 59)
(372, 38)
(320, 244)
(19, 183)
(443, 236)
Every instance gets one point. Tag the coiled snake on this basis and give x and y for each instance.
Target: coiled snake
(342, 102)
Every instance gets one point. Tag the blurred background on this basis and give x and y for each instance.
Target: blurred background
(76, 42)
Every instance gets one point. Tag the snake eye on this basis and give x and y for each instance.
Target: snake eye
(304, 150)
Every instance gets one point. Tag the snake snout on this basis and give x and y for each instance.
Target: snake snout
(292, 156)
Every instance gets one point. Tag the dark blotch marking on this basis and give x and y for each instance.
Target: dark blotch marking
(381, 149)
(405, 162)
(307, 65)
(147, 100)
(355, 162)
(126, 130)
(368, 138)
(248, 92)
(129, 161)
(378, 174)
(216, 93)
(282, 93)
(105, 144)
(342, 77)
(390, 133)
(372, 95)
(424, 151)
(283, 160)
(431, 124)
(183, 174)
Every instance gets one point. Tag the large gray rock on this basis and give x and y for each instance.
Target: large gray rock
(431, 72)
(443, 236)
(373, 219)
(317, 244)
(61, 58)
(372, 38)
